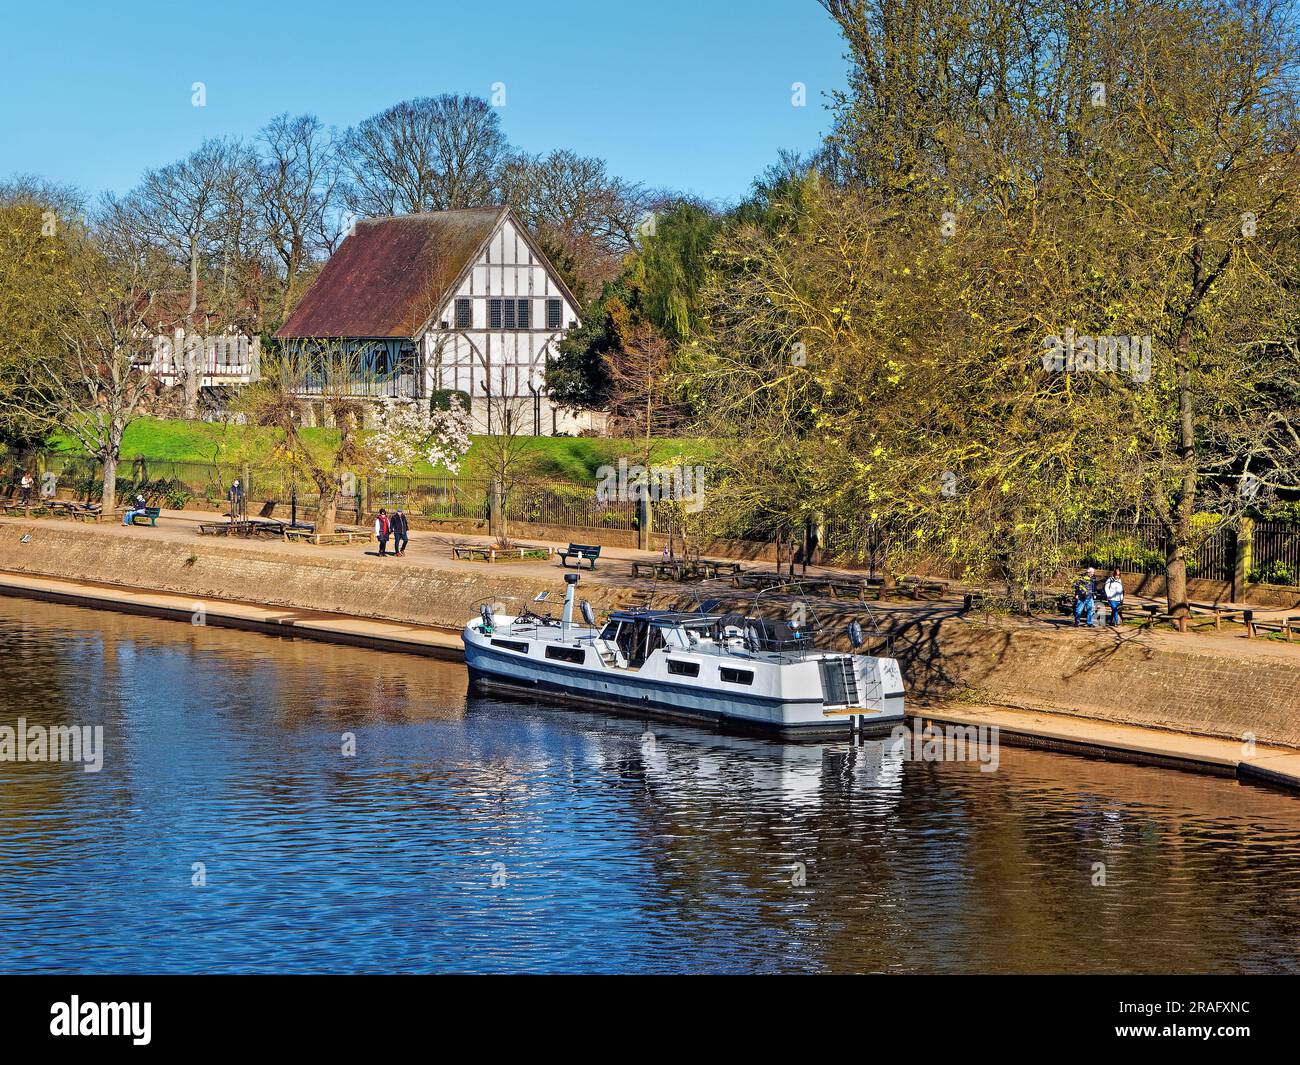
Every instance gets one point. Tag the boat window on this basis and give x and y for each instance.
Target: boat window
(511, 645)
(567, 654)
(683, 669)
(737, 676)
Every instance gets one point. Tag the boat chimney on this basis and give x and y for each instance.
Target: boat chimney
(570, 583)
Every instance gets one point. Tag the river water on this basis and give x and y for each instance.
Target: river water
(228, 831)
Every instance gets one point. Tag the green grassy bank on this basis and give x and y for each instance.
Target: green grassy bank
(573, 459)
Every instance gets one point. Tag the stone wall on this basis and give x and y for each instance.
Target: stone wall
(1161, 680)
(299, 579)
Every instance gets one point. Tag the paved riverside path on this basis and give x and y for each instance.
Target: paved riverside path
(433, 548)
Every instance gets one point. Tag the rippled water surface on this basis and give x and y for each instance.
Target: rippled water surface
(472, 833)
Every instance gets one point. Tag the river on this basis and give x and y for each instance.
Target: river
(271, 805)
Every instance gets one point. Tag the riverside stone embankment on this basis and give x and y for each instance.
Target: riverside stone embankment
(1216, 686)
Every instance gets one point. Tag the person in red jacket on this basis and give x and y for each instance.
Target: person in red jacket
(382, 528)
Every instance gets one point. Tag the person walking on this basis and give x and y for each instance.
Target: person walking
(1115, 597)
(25, 488)
(382, 528)
(401, 531)
(1085, 596)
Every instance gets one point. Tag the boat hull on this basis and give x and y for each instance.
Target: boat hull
(623, 692)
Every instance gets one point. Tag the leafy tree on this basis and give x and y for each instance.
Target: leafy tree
(1012, 173)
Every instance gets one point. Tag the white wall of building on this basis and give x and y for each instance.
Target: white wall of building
(479, 360)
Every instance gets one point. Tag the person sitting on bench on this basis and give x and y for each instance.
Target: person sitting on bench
(138, 507)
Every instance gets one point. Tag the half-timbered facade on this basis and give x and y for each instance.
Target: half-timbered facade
(453, 301)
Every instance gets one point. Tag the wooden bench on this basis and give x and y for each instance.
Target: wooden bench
(582, 552)
(1282, 626)
(14, 506)
(714, 567)
(83, 511)
(150, 514)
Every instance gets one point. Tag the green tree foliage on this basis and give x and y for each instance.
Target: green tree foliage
(658, 295)
(39, 235)
(1000, 175)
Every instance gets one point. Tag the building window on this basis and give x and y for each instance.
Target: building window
(464, 314)
(509, 314)
(554, 311)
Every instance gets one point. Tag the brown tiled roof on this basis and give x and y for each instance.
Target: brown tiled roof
(390, 276)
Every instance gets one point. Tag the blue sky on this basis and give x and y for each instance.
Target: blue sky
(694, 96)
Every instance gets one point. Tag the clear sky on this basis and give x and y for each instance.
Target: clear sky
(693, 95)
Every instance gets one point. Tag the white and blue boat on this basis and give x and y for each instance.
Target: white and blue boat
(730, 670)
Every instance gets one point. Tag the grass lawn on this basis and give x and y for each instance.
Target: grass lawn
(562, 458)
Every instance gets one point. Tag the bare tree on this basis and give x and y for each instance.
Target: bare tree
(505, 449)
(428, 154)
(178, 206)
(183, 208)
(585, 217)
(640, 375)
(327, 370)
(297, 179)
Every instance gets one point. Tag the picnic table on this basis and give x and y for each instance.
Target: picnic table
(308, 534)
(492, 553)
(63, 508)
(683, 569)
(248, 527)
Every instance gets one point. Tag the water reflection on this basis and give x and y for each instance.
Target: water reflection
(491, 835)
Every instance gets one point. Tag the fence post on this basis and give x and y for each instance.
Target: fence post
(494, 507)
(644, 521)
(1243, 554)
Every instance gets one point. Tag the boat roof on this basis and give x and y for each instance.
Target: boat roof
(665, 617)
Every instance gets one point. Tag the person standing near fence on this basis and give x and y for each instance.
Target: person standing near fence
(1085, 595)
(236, 497)
(25, 488)
(1115, 597)
(401, 531)
(382, 527)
